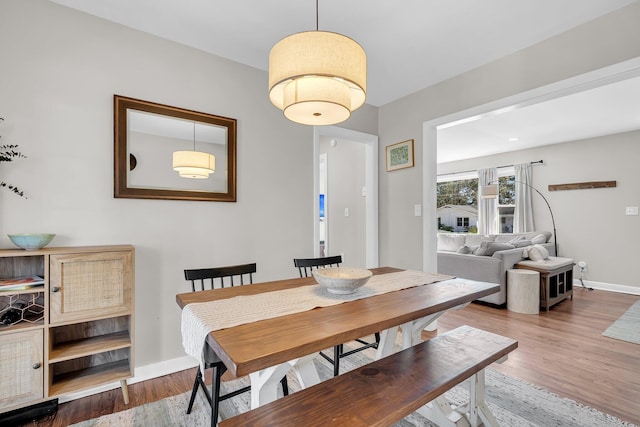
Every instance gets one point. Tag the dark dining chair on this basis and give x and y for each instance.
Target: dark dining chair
(213, 278)
(305, 267)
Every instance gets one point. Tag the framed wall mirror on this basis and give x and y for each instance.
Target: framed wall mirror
(160, 152)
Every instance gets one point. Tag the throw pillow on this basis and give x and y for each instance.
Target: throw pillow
(464, 250)
(516, 239)
(537, 253)
(489, 248)
(539, 239)
(522, 243)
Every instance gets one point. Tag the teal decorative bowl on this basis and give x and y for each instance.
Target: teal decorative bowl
(31, 241)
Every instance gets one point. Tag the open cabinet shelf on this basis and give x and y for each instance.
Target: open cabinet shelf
(73, 332)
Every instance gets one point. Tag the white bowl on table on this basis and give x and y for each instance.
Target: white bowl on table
(341, 280)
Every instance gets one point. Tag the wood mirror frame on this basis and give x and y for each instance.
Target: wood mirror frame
(125, 160)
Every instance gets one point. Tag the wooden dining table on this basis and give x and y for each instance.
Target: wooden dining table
(266, 349)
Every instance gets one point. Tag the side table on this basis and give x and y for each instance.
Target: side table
(523, 291)
(556, 279)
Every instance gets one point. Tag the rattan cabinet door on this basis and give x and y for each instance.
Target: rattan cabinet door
(21, 370)
(90, 286)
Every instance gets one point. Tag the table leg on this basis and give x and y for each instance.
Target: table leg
(387, 343)
(265, 383)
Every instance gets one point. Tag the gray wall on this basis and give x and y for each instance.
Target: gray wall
(609, 40)
(60, 70)
(591, 224)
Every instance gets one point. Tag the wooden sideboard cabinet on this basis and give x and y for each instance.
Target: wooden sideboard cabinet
(72, 332)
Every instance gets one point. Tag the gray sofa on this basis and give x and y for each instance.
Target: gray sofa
(487, 257)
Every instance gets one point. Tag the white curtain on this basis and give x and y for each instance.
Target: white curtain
(487, 208)
(523, 213)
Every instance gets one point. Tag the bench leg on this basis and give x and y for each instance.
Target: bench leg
(479, 411)
(440, 412)
(474, 413)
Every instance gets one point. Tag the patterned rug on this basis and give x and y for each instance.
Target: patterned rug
(627, 327)
(513, 402)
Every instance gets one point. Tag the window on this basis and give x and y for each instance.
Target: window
(463, 222)
(506, 203)
(457, 193)
(457, 201)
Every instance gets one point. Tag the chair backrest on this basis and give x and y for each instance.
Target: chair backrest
(202, 276)
(305, 265)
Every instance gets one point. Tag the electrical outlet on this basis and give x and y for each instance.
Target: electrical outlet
(631, 210)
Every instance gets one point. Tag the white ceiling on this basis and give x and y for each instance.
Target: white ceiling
(410, 44)
(605, 110)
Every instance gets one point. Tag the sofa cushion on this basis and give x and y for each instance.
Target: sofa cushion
(477, 239)
(536, 253)
(489, 248)
(450, 242)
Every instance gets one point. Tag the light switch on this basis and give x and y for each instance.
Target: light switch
(417, 210)
(346, 211)
(632, 210)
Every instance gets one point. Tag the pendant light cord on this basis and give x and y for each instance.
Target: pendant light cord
(194, 136)
(317, 16)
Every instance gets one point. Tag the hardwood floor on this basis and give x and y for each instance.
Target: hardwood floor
(561, 350)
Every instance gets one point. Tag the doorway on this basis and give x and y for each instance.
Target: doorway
(367, 196)
(590, 80)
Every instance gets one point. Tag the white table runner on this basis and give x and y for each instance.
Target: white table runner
(199, 319)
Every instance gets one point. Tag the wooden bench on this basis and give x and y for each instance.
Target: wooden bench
(387, 390)
(556, 279)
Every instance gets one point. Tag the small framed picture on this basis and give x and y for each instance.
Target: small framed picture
(400, 155)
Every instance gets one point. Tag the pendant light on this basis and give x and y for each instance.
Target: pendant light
(194, 164)
(317, 77)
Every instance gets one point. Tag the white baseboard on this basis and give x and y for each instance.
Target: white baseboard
(612, 287)
(142, 373)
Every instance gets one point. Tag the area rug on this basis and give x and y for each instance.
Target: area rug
(514, 404)
(627, 327)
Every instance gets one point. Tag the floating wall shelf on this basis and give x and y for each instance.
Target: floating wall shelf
(582, 185)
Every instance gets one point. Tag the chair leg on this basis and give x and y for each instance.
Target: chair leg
(196, 383)
(215, 394)
(285, 386)
(337, 350)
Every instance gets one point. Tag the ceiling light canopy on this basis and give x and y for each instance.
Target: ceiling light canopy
(317, 77)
